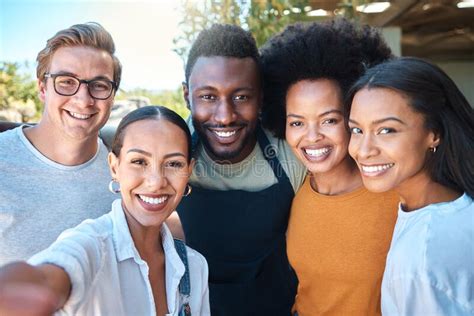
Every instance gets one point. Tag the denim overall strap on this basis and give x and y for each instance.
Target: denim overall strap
(184, 283)
(270, 153)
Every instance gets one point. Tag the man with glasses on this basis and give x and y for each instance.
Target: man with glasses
(54, 174)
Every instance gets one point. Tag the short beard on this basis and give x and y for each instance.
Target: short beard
(223, 157)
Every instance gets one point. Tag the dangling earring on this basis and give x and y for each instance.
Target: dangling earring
(114, 190)
(188, 191)
(433, 149)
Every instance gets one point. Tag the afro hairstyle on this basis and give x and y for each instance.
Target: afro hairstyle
(338, 50)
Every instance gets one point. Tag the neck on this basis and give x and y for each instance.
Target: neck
(147, 240)
(58, 148)
(420, 191)
(329, 183)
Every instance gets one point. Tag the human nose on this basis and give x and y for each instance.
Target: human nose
(362, 147)
(225, 112)
(156, 179)
(313, 133)
(83, 95)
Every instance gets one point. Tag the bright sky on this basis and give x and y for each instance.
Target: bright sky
(143, 31)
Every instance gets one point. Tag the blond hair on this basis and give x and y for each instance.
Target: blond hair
(89, 34)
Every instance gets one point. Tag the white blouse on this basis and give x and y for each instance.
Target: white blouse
(108, 276)
(430, 265)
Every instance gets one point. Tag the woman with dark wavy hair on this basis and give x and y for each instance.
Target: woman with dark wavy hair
(339, 232)
(413, 131)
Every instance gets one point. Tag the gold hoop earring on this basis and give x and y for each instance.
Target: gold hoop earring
(188, 191)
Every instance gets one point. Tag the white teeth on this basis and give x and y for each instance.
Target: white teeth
(79, 116)
(225, 134)
(317, 152)
(377, 168)
(150, 200)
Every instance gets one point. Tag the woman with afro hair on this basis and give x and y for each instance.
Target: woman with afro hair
(339, 233)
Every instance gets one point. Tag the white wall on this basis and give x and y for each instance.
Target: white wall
(392, 36)
(462, 73)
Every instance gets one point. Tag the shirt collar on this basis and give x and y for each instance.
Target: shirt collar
(446, 207)
(125, 248)
(123, 242)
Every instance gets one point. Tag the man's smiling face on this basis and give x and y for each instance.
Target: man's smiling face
(224, 95)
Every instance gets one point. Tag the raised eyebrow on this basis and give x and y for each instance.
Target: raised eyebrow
(143, 152)
(294, 116)
(250, 89)
(66, 73)
(205, 88)
(383, 120)
(101, 78)
(176, 154)
(353, 121)
(140, 151)
(390, 118)
(331, 112)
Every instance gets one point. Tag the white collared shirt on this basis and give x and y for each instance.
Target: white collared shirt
(108, 277)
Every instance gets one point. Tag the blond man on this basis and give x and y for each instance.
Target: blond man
(54, 174)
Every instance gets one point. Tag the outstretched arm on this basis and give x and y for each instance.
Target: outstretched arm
(32, 290)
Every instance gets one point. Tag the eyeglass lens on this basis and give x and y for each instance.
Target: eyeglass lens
(68, 85)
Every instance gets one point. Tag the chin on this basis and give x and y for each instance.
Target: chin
(321, 168)
(375, 187)
(226, 155)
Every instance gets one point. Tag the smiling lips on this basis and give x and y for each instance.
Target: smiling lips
(316, 154)
(375, 170)
(227, 136)
(79, 115)
(153, 203)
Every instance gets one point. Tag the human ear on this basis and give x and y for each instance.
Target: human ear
(435, 139)
(186, 95)
(113, 164)
(42, 90)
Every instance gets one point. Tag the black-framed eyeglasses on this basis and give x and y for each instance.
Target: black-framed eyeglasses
(67, 85)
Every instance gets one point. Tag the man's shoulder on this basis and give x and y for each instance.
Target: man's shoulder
(280, 147)
(9, 142)
(10, 134)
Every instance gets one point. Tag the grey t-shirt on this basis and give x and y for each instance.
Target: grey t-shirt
(40, 198)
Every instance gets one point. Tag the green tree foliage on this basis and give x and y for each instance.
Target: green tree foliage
(18, 92)
(263, 18)
(172, 99)
(199, 15)
(268, 17)
(348, 9)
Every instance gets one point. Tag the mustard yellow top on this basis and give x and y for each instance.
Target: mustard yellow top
(338, 246)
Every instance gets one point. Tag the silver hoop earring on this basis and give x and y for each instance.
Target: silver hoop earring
(188, 191)
(433, 149)
(112, 188)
